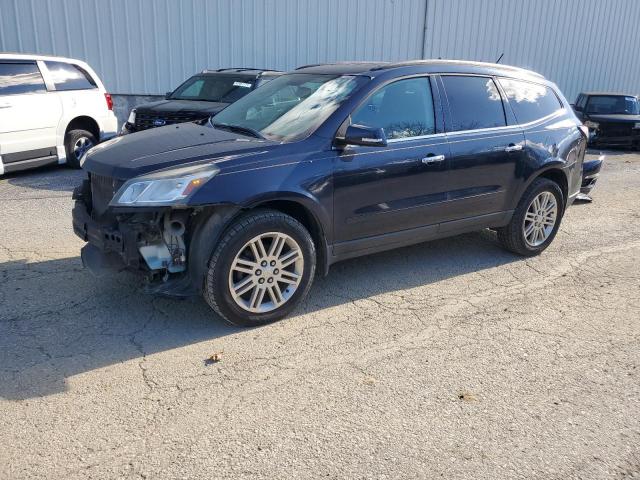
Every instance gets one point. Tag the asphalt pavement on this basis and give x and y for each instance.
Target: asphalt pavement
(451, 359)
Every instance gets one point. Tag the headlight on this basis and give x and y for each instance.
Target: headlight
(166, 187)
(637, 125)
(132, 117)
(592, 125)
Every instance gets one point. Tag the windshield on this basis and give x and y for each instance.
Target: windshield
(214, 88)
(613, 104)
(291, 107)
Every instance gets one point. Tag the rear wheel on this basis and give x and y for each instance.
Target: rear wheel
(261, 270)
(536, 219)
(76, 144)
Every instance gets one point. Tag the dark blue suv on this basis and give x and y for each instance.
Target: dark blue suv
(326, 163)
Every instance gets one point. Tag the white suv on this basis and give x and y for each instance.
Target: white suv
(52, 110)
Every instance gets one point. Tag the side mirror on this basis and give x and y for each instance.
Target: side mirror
(366, 136)
(577, 108)
(167, 95)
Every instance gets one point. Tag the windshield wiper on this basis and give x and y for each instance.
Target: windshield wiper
(239, 129)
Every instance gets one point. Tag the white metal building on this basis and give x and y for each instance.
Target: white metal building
(150, 46)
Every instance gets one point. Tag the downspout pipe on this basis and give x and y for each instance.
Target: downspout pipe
(424, 30)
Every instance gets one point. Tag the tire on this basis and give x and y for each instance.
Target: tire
(76, 143)
(513, 237)
(258, 305)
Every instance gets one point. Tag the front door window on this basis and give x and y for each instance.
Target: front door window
(404, 109)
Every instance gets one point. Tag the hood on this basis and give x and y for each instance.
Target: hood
(132, 155)
(618, 118)
(178, 106)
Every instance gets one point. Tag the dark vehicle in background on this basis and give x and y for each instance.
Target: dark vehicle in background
(198, 98)
(326, 163)
(613, 119)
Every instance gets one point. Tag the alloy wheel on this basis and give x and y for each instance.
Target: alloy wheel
(266, 272)
(540, 218)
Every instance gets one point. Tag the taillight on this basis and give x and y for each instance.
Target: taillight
(107, 97)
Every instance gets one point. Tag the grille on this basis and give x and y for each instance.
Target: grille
(616, 129)
(146, 120)
(102, 191)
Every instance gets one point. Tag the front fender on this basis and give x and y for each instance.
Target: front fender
(311, 204)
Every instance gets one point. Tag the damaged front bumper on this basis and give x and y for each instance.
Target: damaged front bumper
(170, 247)
(147, 241)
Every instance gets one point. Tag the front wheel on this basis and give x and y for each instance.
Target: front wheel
(261, 270)
(536, 219)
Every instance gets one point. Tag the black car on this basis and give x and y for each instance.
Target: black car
(326, 163)
(613, 119)
(201, 96)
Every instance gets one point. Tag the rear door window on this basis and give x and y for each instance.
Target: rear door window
(404, 109)
(529, 101)
(67, 76)
(474, 102)
(18, 78)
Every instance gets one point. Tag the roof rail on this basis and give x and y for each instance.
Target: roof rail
(457, 62)
(239, 69)
(359, 62)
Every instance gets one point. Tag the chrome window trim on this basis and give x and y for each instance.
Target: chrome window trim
(419, 137)
(355, 149)
(557, 113)
(452, 140)
(483, 130)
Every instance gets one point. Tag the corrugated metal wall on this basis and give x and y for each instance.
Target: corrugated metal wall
(579, 44)
(149, 46)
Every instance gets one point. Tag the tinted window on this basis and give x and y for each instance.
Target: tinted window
(613, 104)
(529, 101)
(214, 88)
(67, 76)
(475, 103)
(403, 109)
(16, 78)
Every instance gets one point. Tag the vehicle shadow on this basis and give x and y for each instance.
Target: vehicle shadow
(53, 178)
(610, 151)
(58, 321)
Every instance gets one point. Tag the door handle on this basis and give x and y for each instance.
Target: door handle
(513, 148)
(5, 105)
(431, 159)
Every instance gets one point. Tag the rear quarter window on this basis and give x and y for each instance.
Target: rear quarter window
(529, 101)
(475, 102)
(20, 78)
(67, 76)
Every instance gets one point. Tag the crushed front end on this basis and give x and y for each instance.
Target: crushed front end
(126, 230)
(147, 240)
